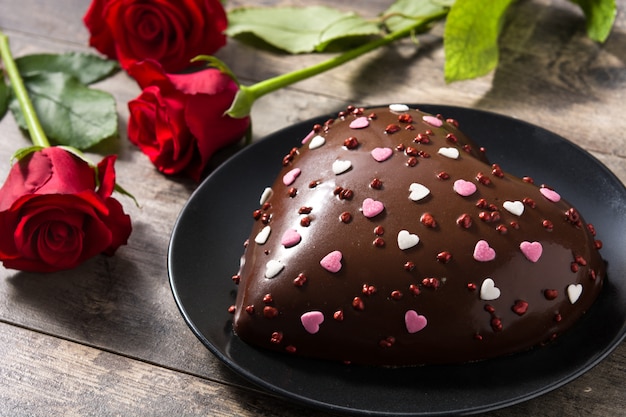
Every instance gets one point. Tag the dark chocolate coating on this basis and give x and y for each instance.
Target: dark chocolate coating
(444, 285)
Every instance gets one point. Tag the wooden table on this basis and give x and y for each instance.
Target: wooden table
(107, 338)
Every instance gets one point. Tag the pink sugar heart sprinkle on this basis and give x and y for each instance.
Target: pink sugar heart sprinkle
(381, 154)
(290, 238)
(464, 188)
(433, 121)
(291, 176)
(332, 261)
(308, 137)
(372, 207)
(359, 123)
(483, 252)
(414, 322)
(311, 321)
(532, 250)
(550, 194)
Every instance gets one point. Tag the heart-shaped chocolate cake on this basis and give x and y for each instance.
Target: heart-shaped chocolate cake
(388, 239)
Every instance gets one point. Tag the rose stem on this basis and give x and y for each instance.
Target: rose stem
(247, 95)
(37, 135)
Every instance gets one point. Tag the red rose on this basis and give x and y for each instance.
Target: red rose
(178, 119)
(52, 217)
(171, 32)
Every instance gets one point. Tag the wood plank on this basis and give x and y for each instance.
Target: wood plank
(44, 376)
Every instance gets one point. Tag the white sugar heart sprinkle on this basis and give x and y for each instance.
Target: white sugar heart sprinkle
(452, 153)
(398, 108)
(489, 291)
(267, 193)
(433, 121)
(340, 166)
(418, 191)
(574, 292)
(262, 236)
(316, 142)
(311, 321)
(407, 240)
(514, 207)
(273, 268)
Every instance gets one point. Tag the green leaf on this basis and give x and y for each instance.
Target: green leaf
(70, 113)
(404, 13)
(23, 152)
(600, 16)
(87, 68)
(297, 29)
(471, 38)
(4, 97)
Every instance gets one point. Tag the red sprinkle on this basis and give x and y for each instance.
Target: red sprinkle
(357, 304)
(250, 309)
(267, 299)
(422, 138)
(433, 283)
(290, 349)
(292, 192)
(300, 280)
(443, 175)
(550, 294)
(558, 317)
(428, 220)
(409, 266)
(368, 289)
(345, 217)
(270, 312)
(452, 138)
(236, 279)
(411, 162)
(547, 224)
(351, 142)
(471, 286)
(529, 202)
(414, 289)
(305, 210)
(497, 171)
(232, 309)
(520, 307)
(405, 118)
(444, 257)
(305, 221)
(379, 242)
(387, 342)
(379, 231)
(528, 180)
(338, 315)
(502, 229)
(496, 324)
(276, 338)
(396, 295)
(483, 179)
(464, 220)
(392, 128)
(376, 184)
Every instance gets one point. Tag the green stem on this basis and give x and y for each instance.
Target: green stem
(248, 94)
(37, 135)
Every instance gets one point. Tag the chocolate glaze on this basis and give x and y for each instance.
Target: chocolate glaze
(444, 282)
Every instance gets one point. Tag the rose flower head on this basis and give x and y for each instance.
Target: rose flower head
(56, 211)
(171, 32)
(178, 120)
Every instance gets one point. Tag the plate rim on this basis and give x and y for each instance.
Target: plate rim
(324, 406)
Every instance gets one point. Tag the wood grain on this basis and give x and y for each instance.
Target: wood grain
(107, 337)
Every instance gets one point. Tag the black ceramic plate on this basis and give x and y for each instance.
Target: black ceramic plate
(206, 245)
